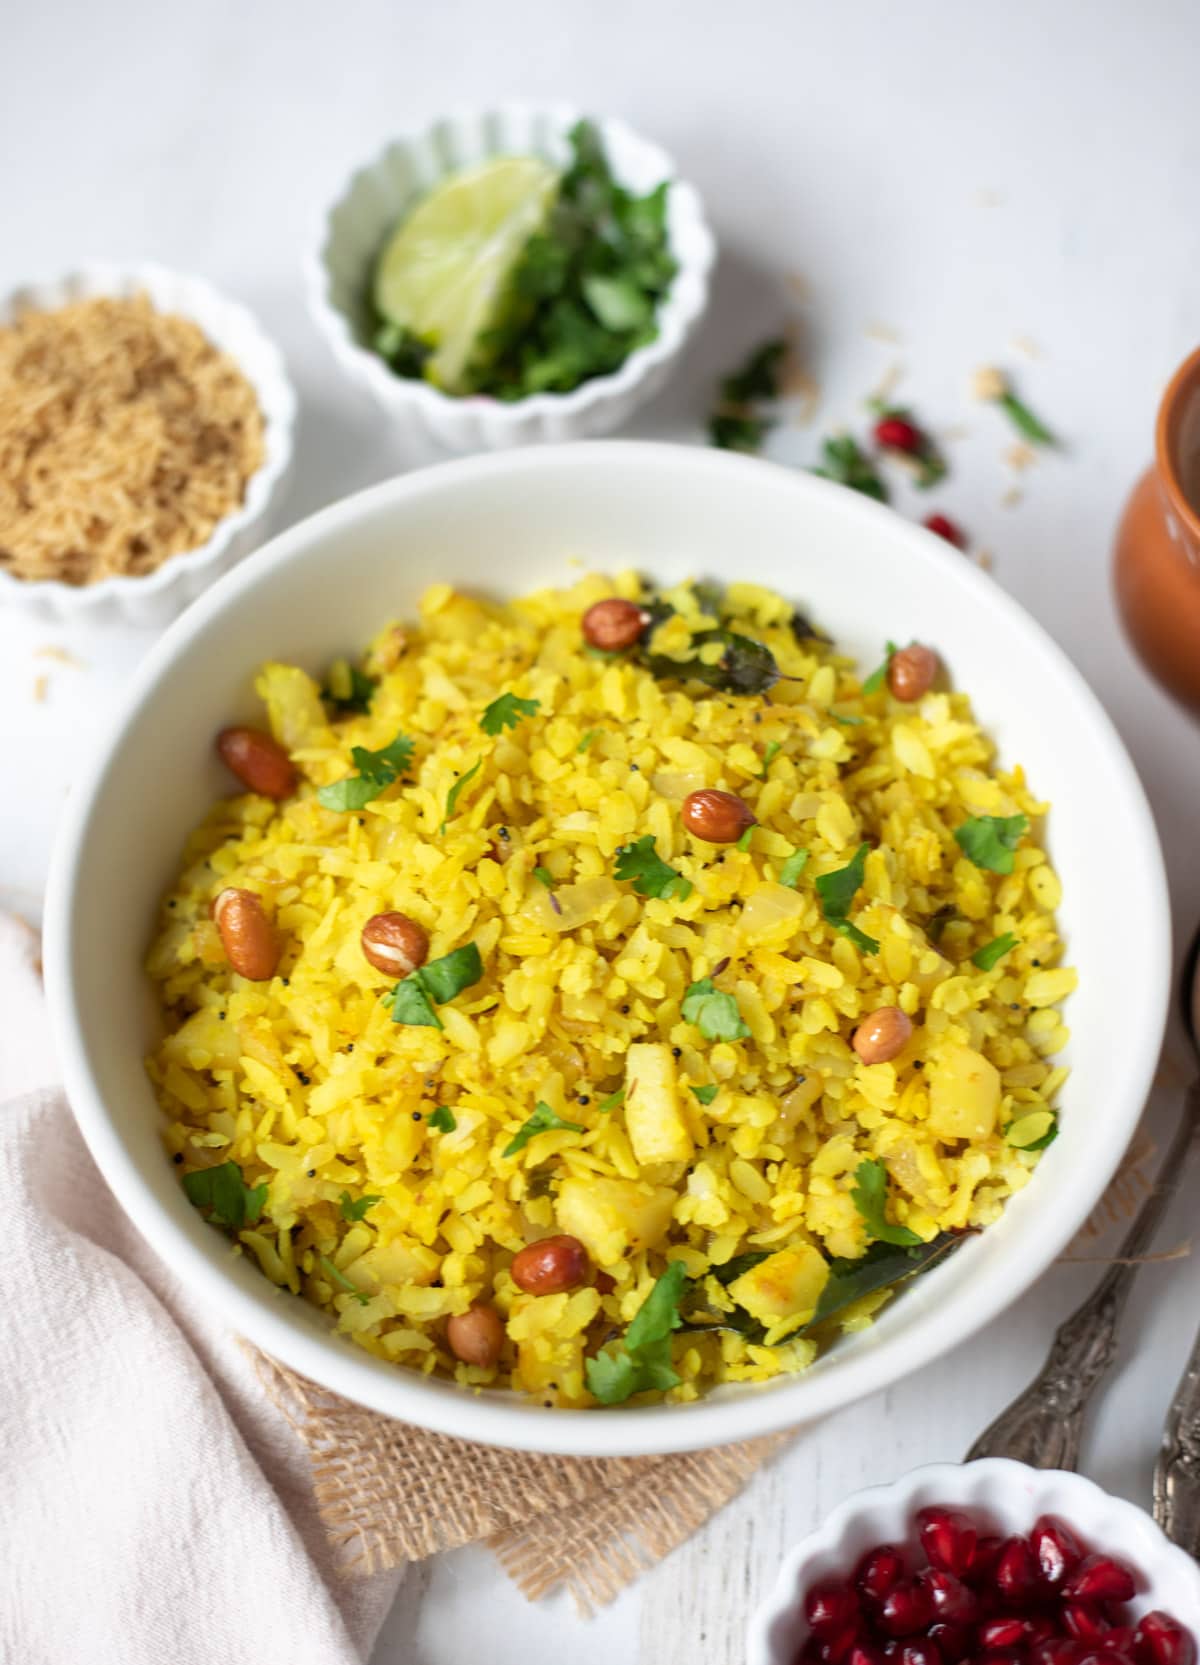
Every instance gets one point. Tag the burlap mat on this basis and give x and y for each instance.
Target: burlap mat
(390, 1493)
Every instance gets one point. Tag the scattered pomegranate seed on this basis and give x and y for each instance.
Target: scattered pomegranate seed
(1100, 1578)
(953, 1640)
(878, 1571)
(1084, 1623)
(905, 1609)
(1161, 1640)
(1040, 1628)
(896, 433)
(1016, 1573)
(830, 1608)
(1002, 1656)
(865, 1653)
(946, 528)
(952, 1600)
(1056, 1650)
(987, 1553)
(1008, 1632)
(922, 1651)
(1056, 1549)
(948, 1537)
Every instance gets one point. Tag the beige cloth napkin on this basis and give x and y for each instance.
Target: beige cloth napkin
(169, 1493)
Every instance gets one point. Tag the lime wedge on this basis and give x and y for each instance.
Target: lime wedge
(444, 273)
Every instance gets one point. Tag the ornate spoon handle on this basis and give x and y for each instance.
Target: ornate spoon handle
(1042, 1426)
(1177, 1472)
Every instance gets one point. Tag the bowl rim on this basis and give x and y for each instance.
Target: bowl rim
(503, 1421)
(100, 278)
(959, 1484)
(688, 289)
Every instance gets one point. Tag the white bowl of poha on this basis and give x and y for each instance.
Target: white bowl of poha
(887, 893)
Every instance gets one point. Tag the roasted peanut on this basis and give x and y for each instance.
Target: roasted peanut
(883, 1035)
(394, 943)
(911, 671)
(476, 1336)
(614, 624)
(550, 1266)
(247, 935)
(717, 817)
(260, 763)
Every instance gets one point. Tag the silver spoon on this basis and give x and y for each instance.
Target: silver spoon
(1043, 1425)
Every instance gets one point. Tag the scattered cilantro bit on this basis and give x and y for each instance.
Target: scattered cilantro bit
(592, 734)
(641, 1361)
(543, 1118)
(837, 891)
(405, 352)
(376, 772)
(506, 712)
(870, 1197)
(706, 1094)
(1024, 421)
(356, 1208)
(613, 1100)
(989, 840)
(452, 795)
(650, 875)
(442, 1119)
(846, 462)
(878, 676)
(743, 842)
(412, 999)
(224, 1196)
(881, 1266)
(715, 1015)
(993, 952)
(342, 1281)
(348, 689)
(544, 876)
(745, 667)
(847, 719)
(737, 424)
(771, 751)
(789, 873)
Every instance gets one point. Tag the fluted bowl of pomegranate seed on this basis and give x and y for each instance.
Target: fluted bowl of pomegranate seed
(986, 1563)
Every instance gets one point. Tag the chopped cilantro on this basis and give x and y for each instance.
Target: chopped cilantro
(355, 1208)
(342, 1281)
(845, 461)
(640, 863)
(989, 840)
(878, 676)
(542, 1119)
(413, 997)
(715, 1015)
(452, 795)
(613, 1100)
(410, 1004)
(993, 952)
(376, 772)
(641, 1361)
(586, 741)
(706, 1094)
(544, 876)
(442, 1119)
(837, 891)
(737, 423)
(743, 842)
(770, 752)
(348, 689)
(870, 1197)
(789, 873)
(224, 1196)
(404, 351)
(506, 712)
(845, 717)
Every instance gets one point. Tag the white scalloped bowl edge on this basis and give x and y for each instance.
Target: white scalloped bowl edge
(353, 230)
(1009, 1496)
(155, 598)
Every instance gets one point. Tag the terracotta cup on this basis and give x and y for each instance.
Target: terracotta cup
(1156, 562)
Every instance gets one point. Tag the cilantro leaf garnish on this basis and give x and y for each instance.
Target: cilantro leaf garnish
(543, 1118)
(587, 739)
(837, 891)
(706, 1094)
(641, 1361)
(342, 1281)
(412, 999)
(224, 1196)
(355, 1208)
(506, 712)
(640, 863)
(870, 1197)
(715, 1014)
(613, 1100)
(452, 795)
(846, 718)
(993, 952)
(792, 868)
(348, 689)
(878, 676)
(989, 840)
(544, 876)
(845, 461)
(442, 1119)
(771, 751)
(376, 772)
(737, 423)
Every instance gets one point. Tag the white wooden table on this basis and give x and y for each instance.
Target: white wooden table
(963, 176)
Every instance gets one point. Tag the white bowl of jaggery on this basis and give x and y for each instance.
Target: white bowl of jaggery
(145, 439)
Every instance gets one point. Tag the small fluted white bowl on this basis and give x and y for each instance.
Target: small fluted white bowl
(155, 598)
(1009, 1497)
(355, 227)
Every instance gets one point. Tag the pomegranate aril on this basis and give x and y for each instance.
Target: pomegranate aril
(864, 1653)
(1040, 1627)
(830, 1608)
(1056, 1549)
(834, 1648)
(1161, 1640)
(1008, 1632)
(1003, 1656)
(895, 433)
(1056, 1650)
(1084, 1623)
(950, 1596)
(948, 1537)
(905, 1609)
(1100, 1578)
(1016, 1573)
(1104, 1655)
(879, 1571)
(921, 1651)
(953, 1640)
(810, 1653)
(987, 1553)
(944, 527)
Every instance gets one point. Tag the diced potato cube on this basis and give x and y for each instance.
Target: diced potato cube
(294, 708)
(785, 1285)
(613, 1217)
(657, 1130)
(964, 1094)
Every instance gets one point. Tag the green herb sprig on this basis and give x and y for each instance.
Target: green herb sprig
(837, 891)
(506, 712)
(714, 1013)
(645, 869)
(223, 1196)
(543, 1119)
(869, 1194)
(990, 840)
(641, 1361)
(413, 998)
(376, 772)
